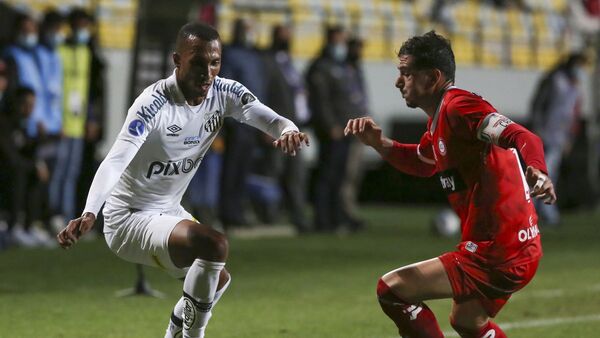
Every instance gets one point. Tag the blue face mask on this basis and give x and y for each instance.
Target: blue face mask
(339, 51)
(82, 36)
(28, 40)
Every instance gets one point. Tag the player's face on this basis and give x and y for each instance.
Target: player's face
(413, 83)
(198, 63)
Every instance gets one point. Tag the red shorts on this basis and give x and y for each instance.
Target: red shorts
(492, 286)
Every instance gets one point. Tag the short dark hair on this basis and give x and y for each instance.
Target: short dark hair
(430, 51)
(331, 31)
(52, 18)
(77, 14)
(197, 29)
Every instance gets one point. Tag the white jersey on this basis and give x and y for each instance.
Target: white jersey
(163, 140)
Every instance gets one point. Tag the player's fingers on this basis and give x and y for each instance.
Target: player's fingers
(361, 125)
(297, 141)
(72, 229)
(347, 128)
(63, 240)
(351, 126)
(290, 144)
(539, 183)
(356, 125)
(548, 196)
(305, 139)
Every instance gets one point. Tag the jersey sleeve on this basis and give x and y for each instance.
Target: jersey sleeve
(425, 149)
(140, 121)
(413, 159)
(108, 174)
(465, 113)
(243, 106)
(142, 116)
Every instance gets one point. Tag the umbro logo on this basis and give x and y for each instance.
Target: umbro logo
(174, 129)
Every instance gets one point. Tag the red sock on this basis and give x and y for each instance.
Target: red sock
(489, 330)
(412, 320)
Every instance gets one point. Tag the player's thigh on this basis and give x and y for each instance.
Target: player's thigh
(142, 237)
(420, 281)
(469, 314)
(191, 240)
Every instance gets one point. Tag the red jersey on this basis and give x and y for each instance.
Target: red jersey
(485, 183)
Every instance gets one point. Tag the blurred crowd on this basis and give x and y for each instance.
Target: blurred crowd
(51, 113)
(244, 180)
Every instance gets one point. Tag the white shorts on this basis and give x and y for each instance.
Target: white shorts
(142, 236)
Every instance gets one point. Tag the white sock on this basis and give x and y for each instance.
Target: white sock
(199, 288)
(176, 321)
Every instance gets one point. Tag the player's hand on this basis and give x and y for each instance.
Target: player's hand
(367, 131)
(75, 229)
(291, 142)
(541, 185)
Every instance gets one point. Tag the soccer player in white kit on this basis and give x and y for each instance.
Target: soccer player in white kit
(168, 129)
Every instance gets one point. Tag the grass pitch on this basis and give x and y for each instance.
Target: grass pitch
(313, 286)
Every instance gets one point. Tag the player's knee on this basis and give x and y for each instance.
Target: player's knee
(211, 245)
(463, 328)
(385, 294)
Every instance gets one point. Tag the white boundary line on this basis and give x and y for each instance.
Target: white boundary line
(540, 323)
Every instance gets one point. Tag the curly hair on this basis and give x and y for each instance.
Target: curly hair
(431, 51)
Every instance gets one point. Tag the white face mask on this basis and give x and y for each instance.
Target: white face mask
(580, 73)
(28, 40)
(82, 36)
(339, 52)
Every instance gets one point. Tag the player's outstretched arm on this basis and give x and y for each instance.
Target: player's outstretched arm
(369, 133)
(541, 185)
(291, 141)
(75, 229)
(404, 157)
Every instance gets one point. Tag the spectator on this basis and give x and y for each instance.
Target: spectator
(23, 68)
(359, 99)
(34, 66)
(554, 111)
(243, 63)
(76, 61)
(286, 94)
(331, 106)
(21, 169)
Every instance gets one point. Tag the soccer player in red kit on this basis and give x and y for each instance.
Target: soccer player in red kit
(477, 155)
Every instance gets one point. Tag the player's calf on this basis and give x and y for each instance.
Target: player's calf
(412, 320)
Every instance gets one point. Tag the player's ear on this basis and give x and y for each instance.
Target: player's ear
(176, 59)
(435, 76)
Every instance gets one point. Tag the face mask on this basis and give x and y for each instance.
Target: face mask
(82, 36)
(56, 39)
(250, 39)
(580, 73)
(28, 40)
(339, 52)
